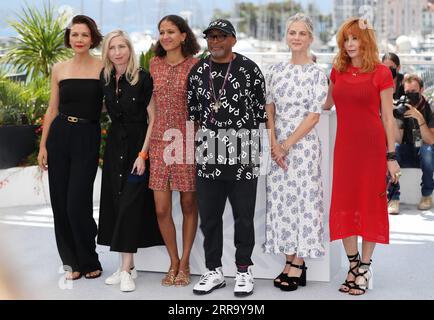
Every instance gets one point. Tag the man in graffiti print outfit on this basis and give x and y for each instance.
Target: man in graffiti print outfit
(226, 96)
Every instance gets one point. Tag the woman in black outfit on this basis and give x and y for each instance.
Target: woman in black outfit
(127, 212)
(69, 149)
(392, 61)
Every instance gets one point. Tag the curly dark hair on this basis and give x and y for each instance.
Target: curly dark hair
(190, 46)
(95, 35)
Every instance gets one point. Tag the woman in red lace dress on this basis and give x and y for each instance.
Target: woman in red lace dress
(361, 90)
(172, 165)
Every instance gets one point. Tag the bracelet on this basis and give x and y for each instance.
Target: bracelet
(143, 155)
(422, 124)
(391, 156)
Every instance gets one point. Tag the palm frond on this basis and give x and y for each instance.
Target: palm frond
(39, 42)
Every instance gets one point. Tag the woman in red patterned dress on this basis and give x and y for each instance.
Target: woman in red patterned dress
(172, 164)
(362, 90)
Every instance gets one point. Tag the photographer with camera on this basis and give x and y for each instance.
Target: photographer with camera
(414, 134)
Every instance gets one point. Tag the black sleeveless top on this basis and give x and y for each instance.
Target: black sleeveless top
(81, 98)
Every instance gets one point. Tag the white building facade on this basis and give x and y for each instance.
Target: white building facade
(345, 9)
(428, 19)
(399, 17)
(391, 18)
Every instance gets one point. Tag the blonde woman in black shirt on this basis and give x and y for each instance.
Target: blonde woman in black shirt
(127, 212)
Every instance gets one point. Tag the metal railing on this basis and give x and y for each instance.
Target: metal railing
(421, 64)
(263, 58)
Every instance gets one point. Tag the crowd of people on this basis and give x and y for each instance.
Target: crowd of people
(193, 126)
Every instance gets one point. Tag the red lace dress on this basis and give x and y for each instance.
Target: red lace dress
(359, 200)
(176, 170)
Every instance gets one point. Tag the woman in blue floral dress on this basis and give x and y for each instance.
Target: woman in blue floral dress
(296, 91)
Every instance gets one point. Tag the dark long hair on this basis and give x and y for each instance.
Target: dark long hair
(392, 57)
(190, 46)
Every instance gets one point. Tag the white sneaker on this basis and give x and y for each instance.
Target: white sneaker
(244, 283)
(210, 281)
(115, 278)
(127, 282)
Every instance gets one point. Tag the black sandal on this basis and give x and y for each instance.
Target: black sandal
(294, 282)
(364, 272)
(353, 271)
(283, 277)
(89, 276)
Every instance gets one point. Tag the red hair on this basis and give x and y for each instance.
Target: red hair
(359, 28)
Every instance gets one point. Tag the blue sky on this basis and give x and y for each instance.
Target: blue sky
(135, 14)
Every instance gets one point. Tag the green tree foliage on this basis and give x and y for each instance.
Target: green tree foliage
(268, 21)
(219, 14)
(39, 43)
(145, 59)
(23, 103)
(249, 18)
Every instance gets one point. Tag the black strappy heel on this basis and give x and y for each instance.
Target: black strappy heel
(365, 272)
(353, 271)
(294, 282)
(283, 277)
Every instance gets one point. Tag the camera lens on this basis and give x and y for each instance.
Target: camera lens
(401, 108)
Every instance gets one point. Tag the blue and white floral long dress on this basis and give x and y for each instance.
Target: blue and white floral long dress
(295, 206)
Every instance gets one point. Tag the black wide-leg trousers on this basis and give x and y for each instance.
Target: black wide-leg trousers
(73, 153)
(212, 196)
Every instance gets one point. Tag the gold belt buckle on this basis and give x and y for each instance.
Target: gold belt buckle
(72, 119)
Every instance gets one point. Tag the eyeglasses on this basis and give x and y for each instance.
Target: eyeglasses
(218, 37)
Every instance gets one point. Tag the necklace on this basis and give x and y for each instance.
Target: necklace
(216, 104)
(355, 72)
(174, 64)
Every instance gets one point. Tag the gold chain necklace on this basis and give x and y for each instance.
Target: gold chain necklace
(355, 72)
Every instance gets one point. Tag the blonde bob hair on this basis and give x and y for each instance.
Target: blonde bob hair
(132, 72)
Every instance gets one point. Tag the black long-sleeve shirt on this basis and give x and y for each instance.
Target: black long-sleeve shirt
(228, 146)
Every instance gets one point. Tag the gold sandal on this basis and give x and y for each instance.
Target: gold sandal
(169, 279)
(183, 278)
